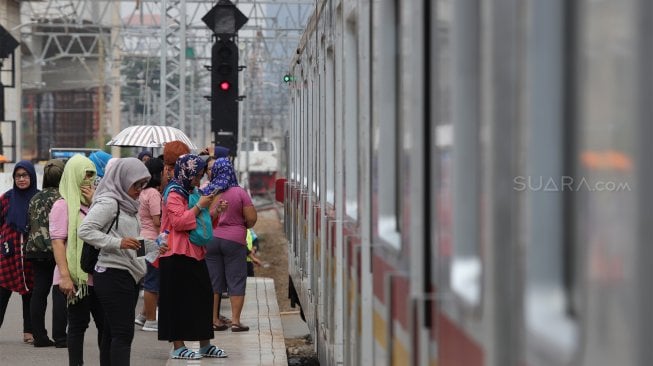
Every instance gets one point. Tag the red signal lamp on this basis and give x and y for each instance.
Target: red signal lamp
(224, 85)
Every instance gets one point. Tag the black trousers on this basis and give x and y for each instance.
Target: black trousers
(79, 317)
(43, 270)
(59, 316)
(117, 292)
(4, 301)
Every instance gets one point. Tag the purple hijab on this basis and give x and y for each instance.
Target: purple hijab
(224, 176)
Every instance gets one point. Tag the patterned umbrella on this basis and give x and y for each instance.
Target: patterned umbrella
(150, 136)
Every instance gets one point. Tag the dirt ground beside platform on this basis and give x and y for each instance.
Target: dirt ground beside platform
(273, 252)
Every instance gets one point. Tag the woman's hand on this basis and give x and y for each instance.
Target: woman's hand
(205, 201)
(66, 286)
(222, 206)
(87, 193)
(218, 206)
(130, 243)
(163, 249)
(255, 260)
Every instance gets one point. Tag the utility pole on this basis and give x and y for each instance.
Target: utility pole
(116, 61)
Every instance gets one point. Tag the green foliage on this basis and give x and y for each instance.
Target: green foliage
(92, 144)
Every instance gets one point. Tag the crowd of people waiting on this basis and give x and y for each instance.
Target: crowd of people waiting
(119, 206)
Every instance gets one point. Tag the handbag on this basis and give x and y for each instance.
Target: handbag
(90, 254)
(203, 232)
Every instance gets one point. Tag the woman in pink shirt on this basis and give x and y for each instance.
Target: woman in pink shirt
(150, 215)
(185, 295)
(226, 255)
(76, 188)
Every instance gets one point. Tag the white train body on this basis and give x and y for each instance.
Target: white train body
(469, 182)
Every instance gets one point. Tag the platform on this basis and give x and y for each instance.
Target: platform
(263, 344)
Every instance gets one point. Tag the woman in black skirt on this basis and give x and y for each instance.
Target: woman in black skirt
(185, 294)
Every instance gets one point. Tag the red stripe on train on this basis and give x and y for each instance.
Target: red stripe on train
(455, 347)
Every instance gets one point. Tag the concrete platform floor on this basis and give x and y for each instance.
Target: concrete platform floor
(263, 344)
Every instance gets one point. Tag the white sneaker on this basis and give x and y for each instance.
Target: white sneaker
(140, 319)
(151, 326)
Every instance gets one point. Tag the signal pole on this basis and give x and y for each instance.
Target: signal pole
(224, 19)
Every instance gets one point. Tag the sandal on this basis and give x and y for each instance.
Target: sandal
(28, 338)
(220, 327)
(183, 353)
(225, 320)
(212, 351)
(239, 328)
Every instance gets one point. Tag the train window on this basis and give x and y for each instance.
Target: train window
(442, 230)
(330, 126)
(386, 121)
(466, 269)
(304, 133)
(247, 146)
(321, 138)
(351, 119)
(265, 146)
(549, 216)
(315, 129)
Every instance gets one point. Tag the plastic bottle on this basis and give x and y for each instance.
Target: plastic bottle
(160, 240)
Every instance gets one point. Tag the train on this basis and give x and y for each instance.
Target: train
(259, 162)
(468, 182)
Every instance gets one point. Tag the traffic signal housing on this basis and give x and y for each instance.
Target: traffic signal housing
(224, 92)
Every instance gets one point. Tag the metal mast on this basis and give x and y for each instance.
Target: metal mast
(67, 33)
(173, 63)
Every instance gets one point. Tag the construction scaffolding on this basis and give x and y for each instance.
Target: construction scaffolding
(153, 55)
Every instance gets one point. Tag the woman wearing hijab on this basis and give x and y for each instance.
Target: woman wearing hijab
(38, 251)
(144, 156)
(150, 215)
(185, 297)
(76, 189)
(100, 159)
(226, 255)
(118, 269)
(220, 152)
(171, 152)
(16, 273)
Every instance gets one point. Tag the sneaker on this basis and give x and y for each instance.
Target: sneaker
(140, 319)
(151, 326)
(43, 343)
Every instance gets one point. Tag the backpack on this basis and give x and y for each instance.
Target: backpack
(203, 232)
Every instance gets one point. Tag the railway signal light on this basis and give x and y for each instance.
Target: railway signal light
(288, 78)
(224, 88)
(224, 19)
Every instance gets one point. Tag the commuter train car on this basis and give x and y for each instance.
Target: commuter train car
(260, 161)
(469, 182)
